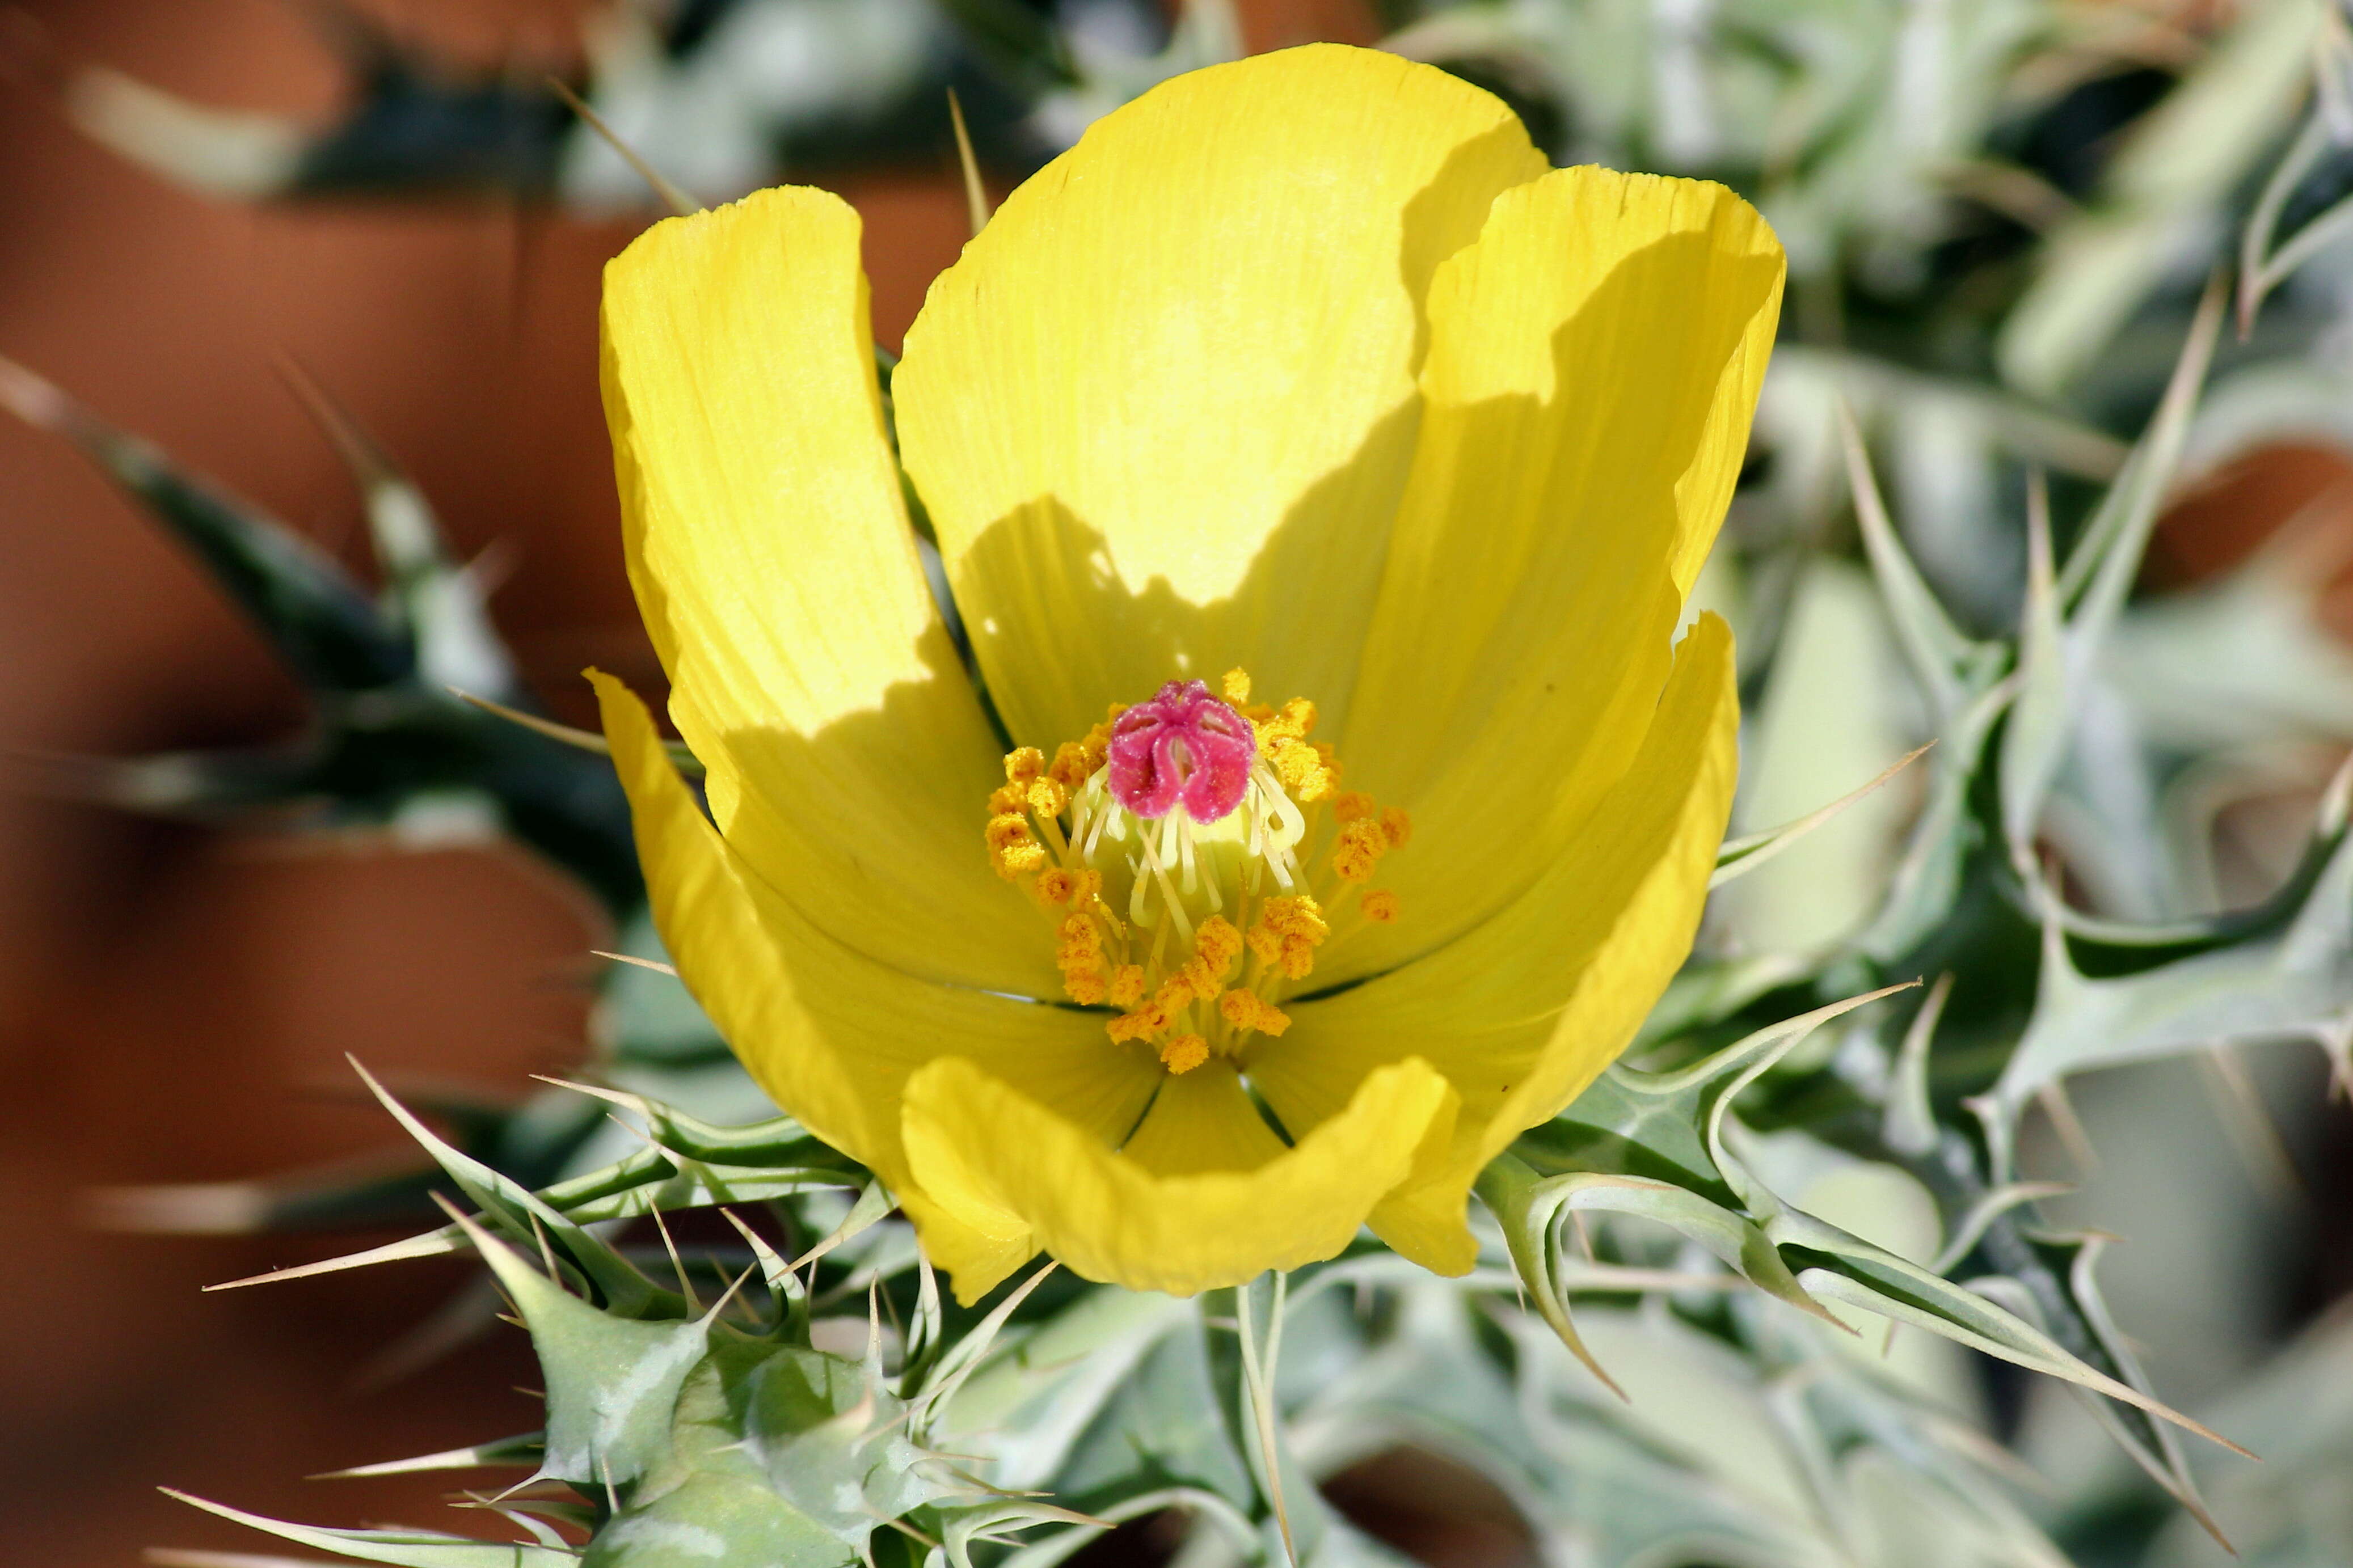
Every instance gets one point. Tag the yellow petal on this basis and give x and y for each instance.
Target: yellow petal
(770, 551)
(1161, 410)
(1595, 359)
(832, 1035)
(1203, 1121)
(1524, 1011)
(1015, 1176)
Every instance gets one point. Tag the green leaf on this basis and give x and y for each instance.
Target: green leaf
(612, 1382)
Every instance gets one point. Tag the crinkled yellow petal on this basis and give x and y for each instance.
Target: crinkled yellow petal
(1015, 1176)
(768, 543)
(1523, 1012)
(832, 1035)
(1595, 360)
(1161, 410)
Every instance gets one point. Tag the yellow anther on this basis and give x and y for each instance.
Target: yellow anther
(1301, 770)
(1329, 758)
(1079, 942)
(1093, 750)
(1047, 797)
(1008, 798)
(1358, 850)
(1184, 1053)
(1247, 1010)
(1012, 847)
(1396, 827)
(1265, 941)
(1056, 884)
(1297, 717)
(1214, 949)
(1088, 889)
(1173, 998)
(1353, 805)
(1217, 938)
(1086, 986)
(1298, 915)
(1127, 986)
(1071, 767)
(1023, 764)
(1298, 957)
(1381, 904)
(1236, 686)
(1258, 713)
(1133, 1026)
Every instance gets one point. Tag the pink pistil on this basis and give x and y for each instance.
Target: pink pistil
(1184, 745)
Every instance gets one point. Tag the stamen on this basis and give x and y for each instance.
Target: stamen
(1358, 850)
(1096, 835)
(1184, 1053)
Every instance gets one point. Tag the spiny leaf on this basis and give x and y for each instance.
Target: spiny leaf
(321, 622)
(401, 1548)
(518, 1210)
(612, 1382)
(1529, 1208)
(2295, 983)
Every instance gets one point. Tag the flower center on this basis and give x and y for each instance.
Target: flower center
(1190, 852)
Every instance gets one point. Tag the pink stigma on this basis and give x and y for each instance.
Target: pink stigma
(1184, 745)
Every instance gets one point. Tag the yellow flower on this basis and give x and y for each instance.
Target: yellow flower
(1301, 378)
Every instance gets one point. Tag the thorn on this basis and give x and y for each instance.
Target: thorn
(35, 401)
(2248, 1120)
(2061, 1110)
(975, 197)
(719, 1304)
(546, 1251)
(1755, 848)
(685, 1286)
(586, 740)
(903, 1528)
(658, 968)
(680, 203)
(365, 459)
(597, 1091)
